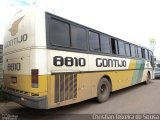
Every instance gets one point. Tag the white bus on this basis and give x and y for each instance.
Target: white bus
(50, 61)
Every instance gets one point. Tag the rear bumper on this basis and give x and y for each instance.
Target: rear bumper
(37, 102)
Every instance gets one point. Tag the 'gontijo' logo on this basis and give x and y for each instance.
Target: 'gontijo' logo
(14, 28)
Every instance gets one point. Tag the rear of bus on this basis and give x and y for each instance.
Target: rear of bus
(25, 74)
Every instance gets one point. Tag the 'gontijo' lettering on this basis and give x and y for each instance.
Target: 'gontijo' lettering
(103, 62)
(16, 40)
(69, 61)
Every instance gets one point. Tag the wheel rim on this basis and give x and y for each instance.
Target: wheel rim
(103, 89)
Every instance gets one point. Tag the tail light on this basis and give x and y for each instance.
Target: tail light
(34, 75)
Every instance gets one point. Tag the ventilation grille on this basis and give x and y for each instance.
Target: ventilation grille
(65, 87)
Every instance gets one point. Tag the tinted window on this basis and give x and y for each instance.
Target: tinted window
(128, 51)
(136, 50)
(139, 52)
(146, 54)
(105, 46)
(59, 33)
(133, 51)
(78, 37)
(121, 48)
(114, 45)
(143, 53)
(150, 55)
(94, 41)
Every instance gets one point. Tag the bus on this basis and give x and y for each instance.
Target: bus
(50, 61)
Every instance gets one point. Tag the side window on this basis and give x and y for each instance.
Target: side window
(105, 44)
(78, 37)
(143, 53)
(146, 54)
(114, 46)
(121, 48)
(133, 53)
(94, 41)
(128, 50)
(59, 33)
(139, 52)
(149, 55)
(136, 50)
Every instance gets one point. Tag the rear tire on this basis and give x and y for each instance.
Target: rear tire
(148, 79)
(103, 90)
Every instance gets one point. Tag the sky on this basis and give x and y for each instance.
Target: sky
(135, 21)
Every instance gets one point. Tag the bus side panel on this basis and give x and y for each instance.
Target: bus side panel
(86, 82)
(65, 75)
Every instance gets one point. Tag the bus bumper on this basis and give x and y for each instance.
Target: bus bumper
(37, 102)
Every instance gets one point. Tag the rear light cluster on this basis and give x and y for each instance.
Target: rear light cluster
(34, 78)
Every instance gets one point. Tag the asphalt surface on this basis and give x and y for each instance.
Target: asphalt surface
(138, 99)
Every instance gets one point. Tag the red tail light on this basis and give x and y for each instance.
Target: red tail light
(34, 75)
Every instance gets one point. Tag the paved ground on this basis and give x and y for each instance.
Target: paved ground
(133, 100)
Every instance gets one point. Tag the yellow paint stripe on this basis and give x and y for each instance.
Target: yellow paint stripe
(132, 66)
(24, 84)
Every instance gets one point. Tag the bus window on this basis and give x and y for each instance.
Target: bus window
(146, 54)
(139, 52)
(78, 37)
(59, 33)
(105, 44)
(150, 55)
(136, 50)
(133, 53)
(121, 48)
(128, 50)
(114, 46)
(143, 53)
(94, 41)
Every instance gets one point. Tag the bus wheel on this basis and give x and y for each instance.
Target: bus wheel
(148, 79)
(103, 90)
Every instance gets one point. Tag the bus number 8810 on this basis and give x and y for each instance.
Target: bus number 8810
(69, 61)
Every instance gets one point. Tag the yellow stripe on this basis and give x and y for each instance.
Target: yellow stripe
(132, 66)
(24, 84)
(86, 84)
